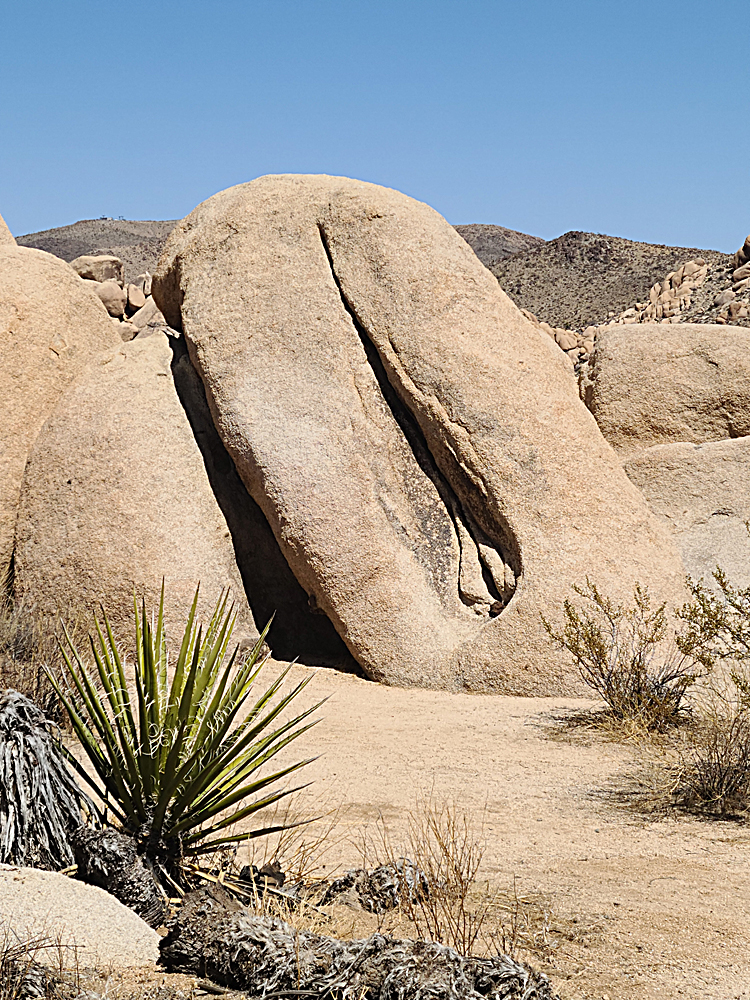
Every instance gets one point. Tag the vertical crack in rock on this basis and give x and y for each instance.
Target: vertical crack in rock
(486, 577)
(299, 631)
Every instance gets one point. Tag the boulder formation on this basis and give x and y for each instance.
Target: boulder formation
(406, 431)
(652, 384)
(702, 492)
(116, 496)
(51, 327)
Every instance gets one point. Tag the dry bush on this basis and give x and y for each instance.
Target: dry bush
(626, 656)
(461, 909)
(709, 771)
(37, 967)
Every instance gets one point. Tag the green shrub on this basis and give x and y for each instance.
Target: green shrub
(177, 764)
(625, 656)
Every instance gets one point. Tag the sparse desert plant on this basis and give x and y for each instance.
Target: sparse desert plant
(626, 656)
(717, 623)
(25, 646)
(40, 802)
(37, 967)
(714, 769)
(177, 765)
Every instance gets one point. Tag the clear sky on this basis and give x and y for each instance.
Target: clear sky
(631, 119)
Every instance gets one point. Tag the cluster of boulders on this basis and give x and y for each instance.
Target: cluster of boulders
(129, 304)
(674, 403)
(673, 300)
(577, 346)
(351, 430)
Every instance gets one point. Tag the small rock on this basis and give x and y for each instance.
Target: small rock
(136, 298)
(128, 331)
(102, 268)
(143, 281)
(148, 315)
(113, 297)
(724, 297)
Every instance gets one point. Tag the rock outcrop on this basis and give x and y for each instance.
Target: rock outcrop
(99, 930)
(51, 327)
(6, 237)
(652, 384)
(406, 431)
(702, 491)
(116, 496)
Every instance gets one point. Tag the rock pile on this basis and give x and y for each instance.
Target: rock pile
(355, 424)
(129, 304)
(577, 346)
(725, 296)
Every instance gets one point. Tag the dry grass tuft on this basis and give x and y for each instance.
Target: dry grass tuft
(37, 967)
(28, 641)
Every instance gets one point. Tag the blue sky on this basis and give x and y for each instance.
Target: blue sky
(631, 119)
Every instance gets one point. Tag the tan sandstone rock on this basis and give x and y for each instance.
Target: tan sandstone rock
(6, 237)
(653, 384)
(148, 315)
(113, 297)
(104, 267)
(116, 496)
(99, 931)
(421, 455)
(51, 328)
(702, 491)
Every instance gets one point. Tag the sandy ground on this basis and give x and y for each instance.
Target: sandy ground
(662, 902)
(638, 906)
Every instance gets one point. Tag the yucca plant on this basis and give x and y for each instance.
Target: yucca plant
(178, 763)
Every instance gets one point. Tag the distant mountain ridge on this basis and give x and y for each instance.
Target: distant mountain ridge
(573, 281)
(137, 244)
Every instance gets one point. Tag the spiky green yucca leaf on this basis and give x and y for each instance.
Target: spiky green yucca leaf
(186, 758)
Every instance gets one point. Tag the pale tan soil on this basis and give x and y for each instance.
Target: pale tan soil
(637, 906)
(663, 902)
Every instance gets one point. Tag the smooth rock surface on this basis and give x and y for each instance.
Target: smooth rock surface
(114, 298)
(104, 267)
(6, 237)
(656, 383)
(147, 315)
(51, 328)
(420, 454)
(702, 491)
(116, 496)
(105, 933)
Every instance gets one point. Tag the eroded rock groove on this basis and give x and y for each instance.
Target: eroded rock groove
(299, 631)
(487, 576)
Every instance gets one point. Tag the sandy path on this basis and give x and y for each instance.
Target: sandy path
(670, 896)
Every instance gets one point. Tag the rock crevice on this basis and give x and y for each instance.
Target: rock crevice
(486, 575)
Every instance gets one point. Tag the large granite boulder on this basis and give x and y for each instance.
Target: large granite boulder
(652, 383)
(6, 237)
(421, 455)
(51, 328)
(116, 496)
(702, 492)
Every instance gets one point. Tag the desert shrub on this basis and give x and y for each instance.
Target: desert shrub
(713, 773)
(717, 623)
(626, 656)
(186, 760)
